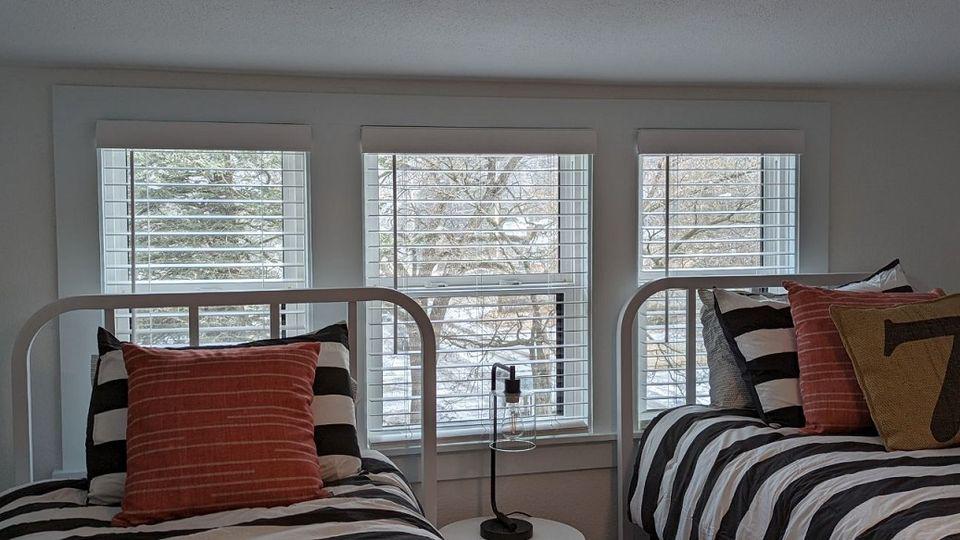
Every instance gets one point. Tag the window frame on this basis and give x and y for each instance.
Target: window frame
(571, 224)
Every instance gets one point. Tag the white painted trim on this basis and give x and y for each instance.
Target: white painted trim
(456, 140)
(625, 358)
(20, 361)
(203, 135)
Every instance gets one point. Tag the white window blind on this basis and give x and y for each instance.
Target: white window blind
(731, 213)
(496, 249)
(202, 220)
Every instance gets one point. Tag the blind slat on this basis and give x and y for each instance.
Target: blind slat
(461, 231)
(483, 320)
(485, 380)
(515, 348)
(463, 410)
(518, 363)
(479, 395)
(203, 313)
(182, 330)
(151, 249)
(497, 305)
(204, 217)
(185, 200)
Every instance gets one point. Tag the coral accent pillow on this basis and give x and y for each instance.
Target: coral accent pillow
(829, 392)
(216, 429)
(907, 360)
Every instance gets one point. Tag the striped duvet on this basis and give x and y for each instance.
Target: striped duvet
(375, 505)
(707, 473)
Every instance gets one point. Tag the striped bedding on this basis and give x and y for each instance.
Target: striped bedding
(708, 473)
(377, 504)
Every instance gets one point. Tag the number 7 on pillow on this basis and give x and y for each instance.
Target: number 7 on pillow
(907, 361)
(945, 422)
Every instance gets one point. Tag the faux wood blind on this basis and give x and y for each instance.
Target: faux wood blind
(496, 249)
(201, 220)
(711, 214)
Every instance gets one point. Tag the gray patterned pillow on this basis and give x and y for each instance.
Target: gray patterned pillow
(727, 388)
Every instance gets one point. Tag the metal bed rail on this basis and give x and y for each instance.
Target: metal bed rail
(109, 304)
(626, 355)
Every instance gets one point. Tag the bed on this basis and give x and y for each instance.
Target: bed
(712, 473)
(378, 503)
(701, 473)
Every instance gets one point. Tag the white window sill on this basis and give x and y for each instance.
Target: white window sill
(564, 453)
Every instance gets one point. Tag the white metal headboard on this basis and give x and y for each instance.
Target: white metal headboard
(20, 364)
(625, 357)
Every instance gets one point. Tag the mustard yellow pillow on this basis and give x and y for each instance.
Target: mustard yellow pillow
(907, 361)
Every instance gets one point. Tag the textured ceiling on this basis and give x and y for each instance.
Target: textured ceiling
(806, 42)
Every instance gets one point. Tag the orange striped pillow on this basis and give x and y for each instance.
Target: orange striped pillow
(216, 429)
(831, 396)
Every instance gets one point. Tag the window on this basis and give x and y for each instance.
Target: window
(716, 213)
(203, 220)
(495, 247)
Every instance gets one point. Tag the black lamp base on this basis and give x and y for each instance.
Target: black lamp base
(494, 529)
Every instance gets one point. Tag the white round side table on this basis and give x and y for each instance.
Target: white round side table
(543, 529)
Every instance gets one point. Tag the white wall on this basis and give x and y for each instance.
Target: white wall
(893, 193)
(336, 194)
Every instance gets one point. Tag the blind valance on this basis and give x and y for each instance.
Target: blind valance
(720, 141)
(136, 134)
(445, 140)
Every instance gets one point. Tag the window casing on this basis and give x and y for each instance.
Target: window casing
(203, 220)
(705, 214)
(496, 250)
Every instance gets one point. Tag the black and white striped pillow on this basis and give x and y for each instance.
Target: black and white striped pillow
(759, 330)
(335, 431)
